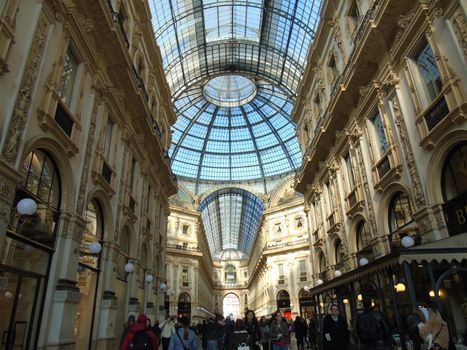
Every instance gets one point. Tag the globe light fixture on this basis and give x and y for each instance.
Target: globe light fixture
(26, 206)
(400, 287)
(363, 261)
(407, 242)
(306, 288)
(345, 301)
(149, 278)
(359, 297)
(129, 267)
(337, 273)
(162, 286)
(95, 247)
(319, 281)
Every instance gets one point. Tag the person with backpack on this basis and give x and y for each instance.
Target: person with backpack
(335, 332)
(167, 330)
(139, 336)
(184, 338)
(240, 338)
(372, 330)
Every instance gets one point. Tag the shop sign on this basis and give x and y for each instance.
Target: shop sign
(456, 214)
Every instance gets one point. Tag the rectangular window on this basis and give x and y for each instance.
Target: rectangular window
(429, 72)
(349, 170)
(185, 229)
(330, 200)
(281, 279)
(67, 79)
(302, 267)
(185, 277)
(109, 128)
(353, 15)
(133, 175)
(333, 68)
(380, 134)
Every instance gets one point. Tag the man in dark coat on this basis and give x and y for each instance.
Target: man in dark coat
(335, 331)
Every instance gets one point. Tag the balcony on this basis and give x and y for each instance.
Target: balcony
(355, 201)
(387, 169)
(103, 174)
(333, 222)
(292, 244)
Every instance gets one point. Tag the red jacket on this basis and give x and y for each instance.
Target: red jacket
(134, 328)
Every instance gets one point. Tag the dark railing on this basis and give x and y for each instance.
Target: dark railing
(106, 172)
(287, 244)
(140, 83)
(322, 276)
(62, 118)
(436, 113)
(384, 166)
(182, 247)
(132, 204)
(117, 18)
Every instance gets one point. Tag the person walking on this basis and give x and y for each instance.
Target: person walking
(140, 336)
(240, 338)
(264, 327)
(214, 334)
(252, 327)
(371, 328)
(280, 337)
(167, 330)
(435, 331)
(184, 338)
(335, 331)
(312, 331)
(300, 328)
(413, 320)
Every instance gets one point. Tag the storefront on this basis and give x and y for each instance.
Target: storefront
(418, 275)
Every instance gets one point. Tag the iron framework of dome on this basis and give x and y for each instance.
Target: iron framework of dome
(245, 132)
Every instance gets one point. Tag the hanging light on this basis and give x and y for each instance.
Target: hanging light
(400, 287)
(319, 281)
(26, 206)
(363, 261)
(149, 278)
(95, 247)
(337, 273)
(129, 267)
(162, 286)
(407, 242)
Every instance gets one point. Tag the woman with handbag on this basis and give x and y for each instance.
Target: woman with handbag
(436, 329)
(240, 339)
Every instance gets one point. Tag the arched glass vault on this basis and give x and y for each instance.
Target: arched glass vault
(231, 218)
(233, 68)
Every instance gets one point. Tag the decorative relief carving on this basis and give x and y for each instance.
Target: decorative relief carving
(23, 100)
(7, 190)
(366, 187)
(338, 37)
(87, 159)
(409, 156)
(121, 194)
(460, 30)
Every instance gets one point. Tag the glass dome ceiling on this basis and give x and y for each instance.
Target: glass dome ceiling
(233, 67)
(231, 90)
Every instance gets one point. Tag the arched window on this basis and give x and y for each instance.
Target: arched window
(400, 212)
(322, 263)
(230, 273)
(125, 241)
(94, 234)
(339, 254)
(363, 236)
(454, 177)
(43, 186)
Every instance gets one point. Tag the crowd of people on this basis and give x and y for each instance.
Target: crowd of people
(426, 329)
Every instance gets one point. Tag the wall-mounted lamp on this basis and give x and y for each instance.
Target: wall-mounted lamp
(345, 301)
(337, 273)
(162, 286)
(400, 287)
(359, 297)
(363, 261)
(95, 247)
(26, 206)
(319, 281)
(306, 288)
(407, 242)
(129, 267)
(149, 278)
